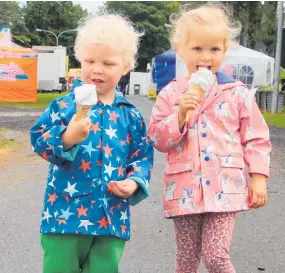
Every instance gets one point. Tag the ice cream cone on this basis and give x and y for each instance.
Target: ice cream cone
(85, 97)
(82, 111)
(194, 88)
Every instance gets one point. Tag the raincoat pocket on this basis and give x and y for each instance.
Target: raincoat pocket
(232, 174)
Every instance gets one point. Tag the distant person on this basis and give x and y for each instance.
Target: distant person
(124, 81)
(210, 140)
(99, 165)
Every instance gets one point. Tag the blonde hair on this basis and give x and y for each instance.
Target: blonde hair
(110, 29)
(209, 14)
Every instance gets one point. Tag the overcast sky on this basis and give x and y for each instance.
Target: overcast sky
(91, 6)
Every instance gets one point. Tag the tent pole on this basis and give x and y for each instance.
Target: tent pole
(278, 56)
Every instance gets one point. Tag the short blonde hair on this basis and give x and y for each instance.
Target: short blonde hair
(111, 29)
(215, 15)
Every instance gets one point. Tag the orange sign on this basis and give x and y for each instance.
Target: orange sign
(18, 74)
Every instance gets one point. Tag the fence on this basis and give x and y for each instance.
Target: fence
(264, 100)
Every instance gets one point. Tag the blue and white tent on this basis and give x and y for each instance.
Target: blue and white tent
(164, 69)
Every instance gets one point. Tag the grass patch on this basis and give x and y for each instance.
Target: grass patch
(7, 146)
(4, 143)
(44, 100)
(277, 120)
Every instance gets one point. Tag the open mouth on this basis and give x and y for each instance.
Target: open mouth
(97, 81)
(203, 66)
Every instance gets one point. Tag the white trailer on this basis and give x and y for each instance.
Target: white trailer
(51, 68)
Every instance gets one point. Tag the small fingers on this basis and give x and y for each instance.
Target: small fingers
(120, 190)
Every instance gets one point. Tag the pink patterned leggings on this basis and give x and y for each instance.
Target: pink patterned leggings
(207, 236)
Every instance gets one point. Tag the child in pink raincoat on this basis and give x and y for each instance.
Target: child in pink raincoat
(210, 155)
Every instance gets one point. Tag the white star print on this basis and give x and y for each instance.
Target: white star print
(124, 216)
(85, 223)
(109, 169)
(71, 188)
(111, 132)
(46, 215)
(54, 116)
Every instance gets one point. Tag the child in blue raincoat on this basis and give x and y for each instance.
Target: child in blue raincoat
(98, 165)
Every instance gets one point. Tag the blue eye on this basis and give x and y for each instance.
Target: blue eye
(197, 48)
(215, 49)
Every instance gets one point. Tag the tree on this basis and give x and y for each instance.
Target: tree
(11, 15)
(149, 18)
(266, 33)
(258, 23)
(55, 17)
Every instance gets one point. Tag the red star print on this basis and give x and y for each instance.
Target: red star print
(95, 127)
(46, 135)
(103, 222)
(121, 171)
(123, 143)
(136, 153)
(112, 209)
(85, 165)
(123, 229)
(99, 145)
(61, 221)
(52, 198)
(108, 150)
(82, 211)
(62, 104)
(114, 116)
(45, 155)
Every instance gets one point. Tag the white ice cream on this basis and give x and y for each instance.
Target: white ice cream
(203, 77)
(86, 94)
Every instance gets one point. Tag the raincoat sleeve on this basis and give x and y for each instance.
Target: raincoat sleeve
(140, 159)
(255, 137)
(163, 128)
(46, 136)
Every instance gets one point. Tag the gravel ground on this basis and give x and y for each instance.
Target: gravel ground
(259, 240)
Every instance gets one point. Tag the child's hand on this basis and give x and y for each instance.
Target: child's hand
(257, 191)
(124, 188)
(76, 132)
(188, 101)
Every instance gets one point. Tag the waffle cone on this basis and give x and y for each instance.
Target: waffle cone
(82, 111)
(195, 88)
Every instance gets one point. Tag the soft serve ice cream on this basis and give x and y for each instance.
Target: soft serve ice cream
(85, 97)
(200, 83)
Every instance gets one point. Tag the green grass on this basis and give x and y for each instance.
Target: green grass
(4, 142)
(43, 101)
(277, 120)
(282, 74)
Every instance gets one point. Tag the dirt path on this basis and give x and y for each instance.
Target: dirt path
(14, 161)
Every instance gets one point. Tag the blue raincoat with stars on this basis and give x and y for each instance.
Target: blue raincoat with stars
(78, 199)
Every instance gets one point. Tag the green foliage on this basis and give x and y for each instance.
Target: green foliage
(43, 101)
(150, 18)
(258, 23)
(266, 33)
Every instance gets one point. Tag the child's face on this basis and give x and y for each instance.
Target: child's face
(103, 66)
(205, 48)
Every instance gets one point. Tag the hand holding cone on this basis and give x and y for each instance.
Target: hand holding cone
(200, 83)
(85, 97)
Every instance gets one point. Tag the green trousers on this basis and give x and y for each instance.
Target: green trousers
(81, 254)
